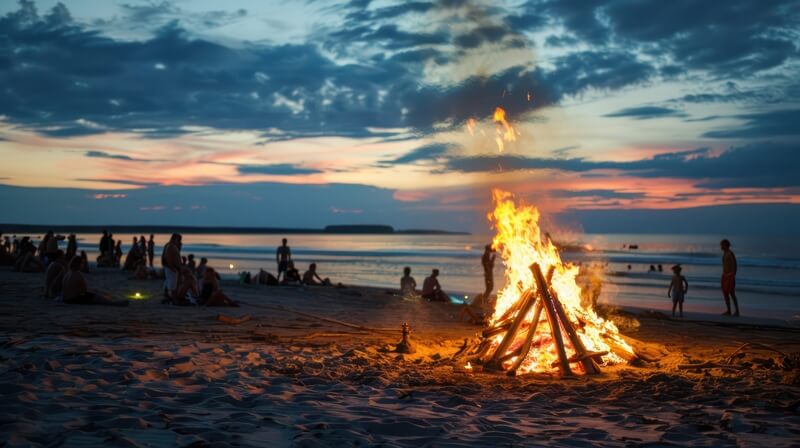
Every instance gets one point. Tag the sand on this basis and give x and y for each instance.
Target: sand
(157, 375)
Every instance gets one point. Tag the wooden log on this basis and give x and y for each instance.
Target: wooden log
(552, 317)
(580, 350)
(489, 332)
(528, 300)
(526, 346)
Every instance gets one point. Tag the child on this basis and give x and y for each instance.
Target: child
(678, 287)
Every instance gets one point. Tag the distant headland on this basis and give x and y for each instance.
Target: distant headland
(355, 229)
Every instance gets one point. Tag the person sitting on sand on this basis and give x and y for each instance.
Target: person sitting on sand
(408, 286)
(27, 261)
(265, 278)
(292, 275)
(54, 276)
(141, 272)
(84, 262)
(678, 288)
(311, 278)
(432, 290)
(75, 290)
(283, 256)
(211, 294)
(187, 288)
(728, 282)
(133, 257)
(171, 260)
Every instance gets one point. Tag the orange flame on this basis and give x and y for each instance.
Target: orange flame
(504, 129)
(521, 243)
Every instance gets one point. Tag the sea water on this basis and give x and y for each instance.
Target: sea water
(768, 281)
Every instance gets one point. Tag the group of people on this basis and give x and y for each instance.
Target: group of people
(140, 253)
(679, 286)
(188, 284)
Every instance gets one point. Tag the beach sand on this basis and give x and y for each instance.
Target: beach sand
(157, 375)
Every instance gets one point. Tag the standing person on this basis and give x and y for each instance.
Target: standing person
(171, 261)
(143, 247)
(678, 288)
(151, 249)
(72, 246)
(728, 283)
(283, 256)
(432, 290)
(408, 286)
(487, 260)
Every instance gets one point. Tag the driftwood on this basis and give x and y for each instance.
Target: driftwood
(233, 320)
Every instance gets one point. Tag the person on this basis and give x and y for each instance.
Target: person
(652, 268)
(292, 275)
(54, 276)
(142, 247)
(84, 262)
(72, 246)
(106, 248)
(117, 254)
(283, 256)
(311, 278)
(678, 288)
(201, 268)
(171, 261)
(487, 260)
(211, 294)
(660, 268)
(265, 278)
(52, 244)
(190, 262)
(408, 286)
(187, 287)
(75, 290)
(133, 257)
(151, 249)
(432, 290)
(728, 282)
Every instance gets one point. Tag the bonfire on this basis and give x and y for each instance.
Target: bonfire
(539, 323)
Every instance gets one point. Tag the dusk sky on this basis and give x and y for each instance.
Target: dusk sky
(625, 116)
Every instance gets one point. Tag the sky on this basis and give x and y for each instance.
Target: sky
(621, 115)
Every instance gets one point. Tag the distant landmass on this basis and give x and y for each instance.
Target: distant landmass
(360, 229)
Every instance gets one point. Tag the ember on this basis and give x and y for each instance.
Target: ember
(576, 339)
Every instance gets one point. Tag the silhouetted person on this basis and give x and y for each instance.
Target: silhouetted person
(652, 268)
(291, 276)
(76, 291)
(211, 294)
(311, 278)
(151, 249)
(408, 286)
(660, 268)
(117, 254)
(487, 260)
(72, 246)
(54, 276)
(283, 256)
(678, 287)
(629, 267)
(432, 290)
(171, 260)
(728, 283)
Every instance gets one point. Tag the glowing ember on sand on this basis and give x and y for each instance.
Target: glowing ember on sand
(519, 340)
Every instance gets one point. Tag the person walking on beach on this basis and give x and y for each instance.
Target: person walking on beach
(151, 249)
(171, 260)
(488, 271)
(728, 283)
(283, 256)
(678, 288)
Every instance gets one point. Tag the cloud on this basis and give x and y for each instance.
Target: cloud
(278, 169)
(597, 193)
(763, 125)
(763, 165)
(646, 112)
(105, 155)
(425, 153)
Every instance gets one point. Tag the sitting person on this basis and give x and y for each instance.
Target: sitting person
(29, 262)
(265, 278)
(84, 262)
(54, 275)
(75, 290)
(291, 276)
(133, 257)
(311, 278)
(408, 286)
(141, 272)
(211, 294)
(187, 287)
(432, 290)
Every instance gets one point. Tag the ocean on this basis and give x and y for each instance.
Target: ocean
(768, 281)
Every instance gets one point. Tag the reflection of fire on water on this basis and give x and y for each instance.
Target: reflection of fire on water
(539, 323)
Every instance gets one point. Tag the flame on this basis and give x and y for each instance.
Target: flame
(521, 243)
(504, 129)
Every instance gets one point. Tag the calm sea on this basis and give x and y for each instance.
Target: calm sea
(768, 282)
